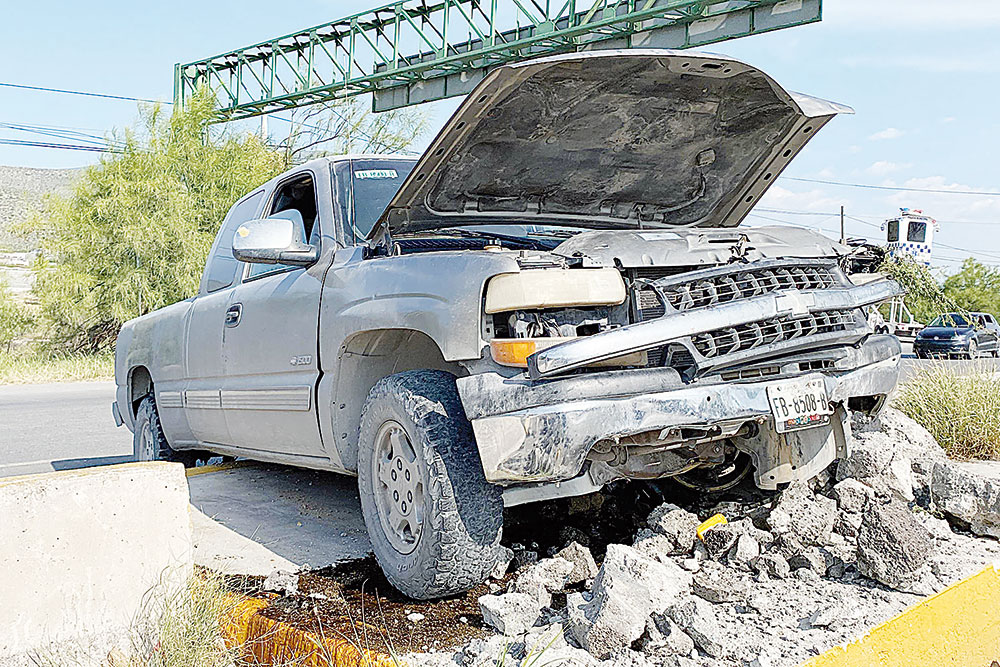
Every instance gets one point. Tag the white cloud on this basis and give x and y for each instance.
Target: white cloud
(866, 15)
(984, 208)
(948, 119)
(812, 200)
(887, 133)
(854, 149)
(885, 167)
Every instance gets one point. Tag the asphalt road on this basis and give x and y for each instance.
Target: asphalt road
(46, 427)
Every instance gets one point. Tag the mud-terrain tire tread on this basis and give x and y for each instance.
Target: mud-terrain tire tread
(147, 412)
(463, 519)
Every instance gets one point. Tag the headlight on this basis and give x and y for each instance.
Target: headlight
(535, 289)
(575, 302)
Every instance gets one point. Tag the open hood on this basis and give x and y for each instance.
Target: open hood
(609, 140)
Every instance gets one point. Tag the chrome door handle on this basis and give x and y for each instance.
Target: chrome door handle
(234, 314)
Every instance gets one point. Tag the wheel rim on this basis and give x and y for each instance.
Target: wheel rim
(147, 449)
(399, 487)
(973, 350)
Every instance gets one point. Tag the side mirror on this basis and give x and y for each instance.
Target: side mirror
(273, 241)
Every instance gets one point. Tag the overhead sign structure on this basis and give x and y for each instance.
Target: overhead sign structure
(414, 51)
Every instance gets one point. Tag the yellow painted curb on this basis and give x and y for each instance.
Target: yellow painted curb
(707, 524)
(264, 642)
(959, 626)
(204, 470)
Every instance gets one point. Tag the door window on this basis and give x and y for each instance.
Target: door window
(222, 266)
(295, 200)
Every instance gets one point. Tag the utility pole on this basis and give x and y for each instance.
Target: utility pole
(843, 239)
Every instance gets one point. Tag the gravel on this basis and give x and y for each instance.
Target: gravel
(788, 578)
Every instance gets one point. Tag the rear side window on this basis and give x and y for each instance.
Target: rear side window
(222, 266)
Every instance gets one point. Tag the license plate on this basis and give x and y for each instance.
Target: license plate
(799, 404)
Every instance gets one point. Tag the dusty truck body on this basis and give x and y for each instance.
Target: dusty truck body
(554, 296)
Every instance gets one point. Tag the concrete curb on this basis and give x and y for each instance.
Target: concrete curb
(958, 626)
(264, 642)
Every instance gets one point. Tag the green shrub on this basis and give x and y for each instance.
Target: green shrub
(15, 318)
(960, 409)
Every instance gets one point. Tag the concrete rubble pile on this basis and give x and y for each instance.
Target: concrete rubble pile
(817, 567)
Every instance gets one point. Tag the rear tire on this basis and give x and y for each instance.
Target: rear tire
(433, 519)
(148, 441)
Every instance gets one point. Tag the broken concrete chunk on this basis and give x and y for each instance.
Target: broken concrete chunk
(584, 567)
(773, 565)
(719, 540)
(804, 515)
(892, 545)
(969, 492)
(851, 495)
(543, 578)
(697, 619)
(663, 637)
(510, 613)
(504, 558)
(745, 550)
(286, 583)
(676, 524)
(629, 585)
(716, 583)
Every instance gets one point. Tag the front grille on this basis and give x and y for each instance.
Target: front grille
(768, 332)
(728, 286)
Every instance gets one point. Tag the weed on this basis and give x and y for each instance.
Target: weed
(960, 409)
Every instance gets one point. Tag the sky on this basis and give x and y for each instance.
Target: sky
(921, 76)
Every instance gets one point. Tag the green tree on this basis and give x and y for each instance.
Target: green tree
(348, 127)
(134, 233)
(924, 296)
(976, 287)
(15, 318)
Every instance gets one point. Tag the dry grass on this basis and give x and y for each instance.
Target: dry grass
(960, 409)
(31, 366)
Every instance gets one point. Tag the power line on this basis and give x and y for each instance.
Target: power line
(73, 147)
(892, 187)
(79, 92)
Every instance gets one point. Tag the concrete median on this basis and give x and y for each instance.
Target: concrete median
(85, 552)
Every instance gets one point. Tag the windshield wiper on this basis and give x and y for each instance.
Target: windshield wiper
(518, 242)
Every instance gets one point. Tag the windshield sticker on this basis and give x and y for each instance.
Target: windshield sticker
(658, 236)
(376, 173)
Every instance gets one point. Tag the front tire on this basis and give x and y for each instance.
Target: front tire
(148, 441)
(973, 349)
(433, 519)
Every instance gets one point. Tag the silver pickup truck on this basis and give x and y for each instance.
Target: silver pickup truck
(555, 296)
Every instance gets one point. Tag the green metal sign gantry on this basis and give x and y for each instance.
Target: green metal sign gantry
(414, 51)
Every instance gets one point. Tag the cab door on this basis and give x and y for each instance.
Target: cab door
(200, 401)
(271, 338)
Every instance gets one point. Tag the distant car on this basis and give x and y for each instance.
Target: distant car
(958, 335)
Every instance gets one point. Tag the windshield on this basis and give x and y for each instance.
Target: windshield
(949, 320)
(372, 183)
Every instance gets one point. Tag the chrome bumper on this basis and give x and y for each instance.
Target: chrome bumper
(530, 432)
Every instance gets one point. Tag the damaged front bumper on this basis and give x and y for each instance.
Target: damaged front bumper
(540, 431)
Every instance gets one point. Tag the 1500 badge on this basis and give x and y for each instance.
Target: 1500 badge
(301, 360)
